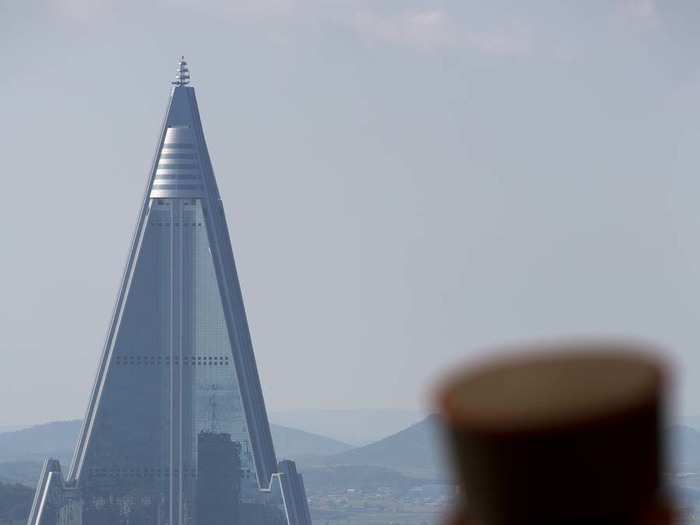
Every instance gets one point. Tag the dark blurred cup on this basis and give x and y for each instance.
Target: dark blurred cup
(560, 433)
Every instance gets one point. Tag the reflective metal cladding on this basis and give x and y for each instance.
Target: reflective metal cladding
(176, 431)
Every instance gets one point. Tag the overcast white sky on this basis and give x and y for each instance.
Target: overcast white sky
(406, 182)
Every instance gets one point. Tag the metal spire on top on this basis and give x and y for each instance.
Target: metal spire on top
(183, 73)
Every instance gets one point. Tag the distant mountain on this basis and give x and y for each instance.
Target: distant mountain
(683, 445)
(10, 428)
(357, 427)
(291, 443)
(417, 450)
(57, 439)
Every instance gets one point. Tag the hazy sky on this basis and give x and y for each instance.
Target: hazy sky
(406, 182)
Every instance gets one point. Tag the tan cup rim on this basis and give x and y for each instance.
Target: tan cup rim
(637, 352)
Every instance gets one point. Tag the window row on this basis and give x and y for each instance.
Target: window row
(165, 360)
(177, 224)
(116, 472)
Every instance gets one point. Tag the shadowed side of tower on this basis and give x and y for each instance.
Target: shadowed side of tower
(176, 430)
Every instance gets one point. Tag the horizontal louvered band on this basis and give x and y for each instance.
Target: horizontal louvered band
(175, 147)
(177, 163)
(190, 156)
(160, 193)
(176, 176)
(176, 171)
(172, 185)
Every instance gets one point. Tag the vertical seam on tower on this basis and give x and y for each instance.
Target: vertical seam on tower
(172, 375)
(181, 279)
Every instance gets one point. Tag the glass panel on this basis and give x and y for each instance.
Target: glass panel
(170, 443)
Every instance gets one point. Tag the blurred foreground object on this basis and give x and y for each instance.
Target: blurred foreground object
(559, 433)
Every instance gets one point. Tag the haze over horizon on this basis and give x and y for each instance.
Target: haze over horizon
(405, 183)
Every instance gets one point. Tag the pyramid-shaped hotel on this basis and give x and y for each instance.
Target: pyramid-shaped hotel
(176, 431)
